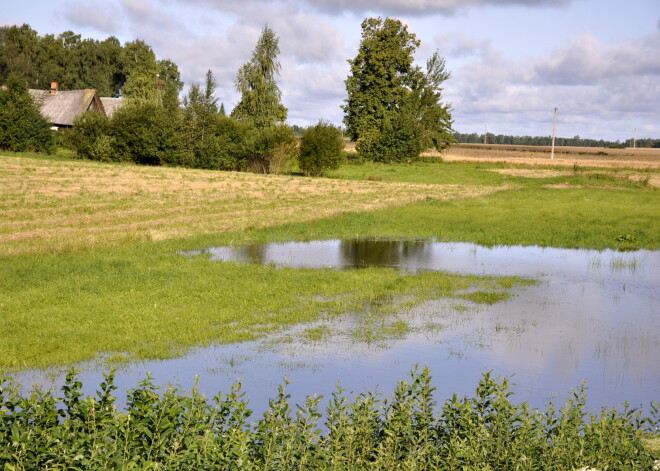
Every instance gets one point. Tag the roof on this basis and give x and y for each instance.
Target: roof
(110, 105)
(62, 107)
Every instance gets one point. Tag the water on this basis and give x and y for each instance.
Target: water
(593, 316)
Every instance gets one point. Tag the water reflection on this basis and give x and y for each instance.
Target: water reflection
(594, 316)
(340, 254)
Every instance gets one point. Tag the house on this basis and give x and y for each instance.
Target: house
(61, 108)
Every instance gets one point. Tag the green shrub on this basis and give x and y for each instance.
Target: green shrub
(271, 149)
(321, 149)
(174, 430)
(87, 130)
(144, 133)
(225, 148)
(397, 140)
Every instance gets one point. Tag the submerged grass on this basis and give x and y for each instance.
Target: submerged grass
(409, 430)
(65, 308)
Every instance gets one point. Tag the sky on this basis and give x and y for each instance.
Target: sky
(512, 61)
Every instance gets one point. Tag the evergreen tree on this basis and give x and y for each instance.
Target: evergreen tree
(22, 127)
(260, 103)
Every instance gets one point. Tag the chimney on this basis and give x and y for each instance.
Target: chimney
(54, 87)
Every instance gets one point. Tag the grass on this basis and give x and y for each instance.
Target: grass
(147, 302)
(54, 205)
(90, 265)
(549, 217)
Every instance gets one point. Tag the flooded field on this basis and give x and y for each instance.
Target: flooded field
(592, 316)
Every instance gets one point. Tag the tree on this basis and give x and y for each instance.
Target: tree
(198, 120)
(260, 103)
(321, 149)
(393, 109)
(22, 127)
(433, 115)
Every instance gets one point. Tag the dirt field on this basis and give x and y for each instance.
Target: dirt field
(564, 156)
(49, 205)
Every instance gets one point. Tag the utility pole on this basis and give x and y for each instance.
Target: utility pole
(554, 130)
(485, 132)
(635, 140)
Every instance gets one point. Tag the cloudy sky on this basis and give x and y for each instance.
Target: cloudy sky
(513, 61)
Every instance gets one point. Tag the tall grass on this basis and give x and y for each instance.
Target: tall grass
(175, 430)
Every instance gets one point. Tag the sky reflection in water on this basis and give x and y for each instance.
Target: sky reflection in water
(593, 316)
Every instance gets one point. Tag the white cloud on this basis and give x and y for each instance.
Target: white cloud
(595, 86)
(103, 17)
(411, 7)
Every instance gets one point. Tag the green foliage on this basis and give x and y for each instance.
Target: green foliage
(321, 149)
(393, 109)
(224, 145)
(77, 63)
(397, 140)
(22, 127)
(177, 430)
(272, 149)
(144, 134)
(89, 135)
(260, 103)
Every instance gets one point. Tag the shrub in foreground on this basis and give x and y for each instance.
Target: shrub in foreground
(174, 431)
(321, 149)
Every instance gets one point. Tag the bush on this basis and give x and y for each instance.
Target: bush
(87, 130)
(271, 149)
(22, 127)
(145, 134)
(226, 146)
(173, 430)
(321, 149)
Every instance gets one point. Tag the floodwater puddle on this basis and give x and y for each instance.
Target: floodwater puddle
(594, 316)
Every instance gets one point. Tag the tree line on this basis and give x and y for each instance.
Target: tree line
(153, 128)
(474, 138)
(394, 109)
(77, 63)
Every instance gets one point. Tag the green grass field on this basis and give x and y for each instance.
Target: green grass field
(90, 262)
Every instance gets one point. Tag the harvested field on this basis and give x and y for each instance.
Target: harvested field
(53, 206)
(653, 178)
(564, 156)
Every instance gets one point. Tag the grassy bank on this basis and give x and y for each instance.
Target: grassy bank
(409, 430)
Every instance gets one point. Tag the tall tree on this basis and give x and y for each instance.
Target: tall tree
(394, 109)
(260, 103)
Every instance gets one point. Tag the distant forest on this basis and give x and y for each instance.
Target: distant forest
(77, 63)
(577, 141)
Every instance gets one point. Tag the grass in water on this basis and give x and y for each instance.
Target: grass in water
(145, 302)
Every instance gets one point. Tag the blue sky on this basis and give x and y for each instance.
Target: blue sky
(513, 61)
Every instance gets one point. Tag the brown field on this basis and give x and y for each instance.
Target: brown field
(53, 206)
(564, 156)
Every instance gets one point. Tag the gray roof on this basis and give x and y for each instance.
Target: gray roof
(110, 105)
(62, 107)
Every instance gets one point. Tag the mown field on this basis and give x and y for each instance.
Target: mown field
(564, 156)
(91, 261)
